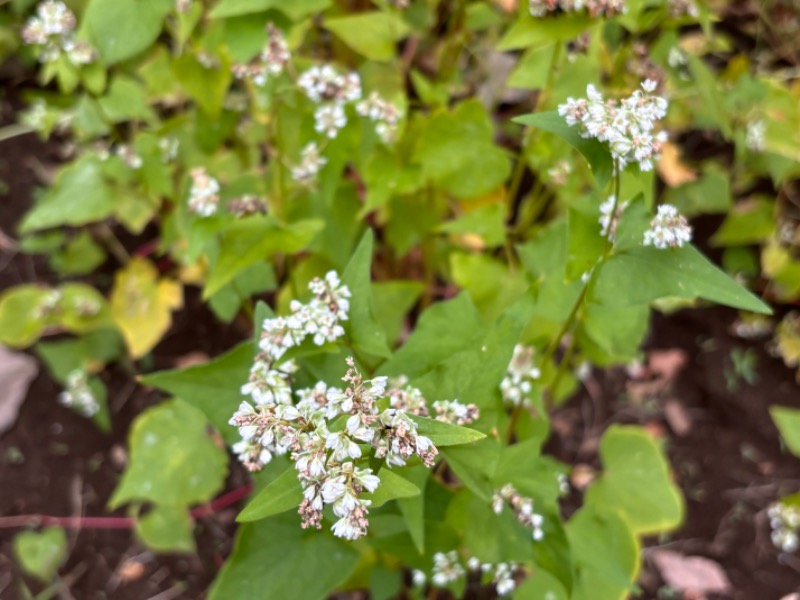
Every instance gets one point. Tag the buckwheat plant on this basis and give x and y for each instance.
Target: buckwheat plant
(52, 31)
(78, 395)
(784, 519)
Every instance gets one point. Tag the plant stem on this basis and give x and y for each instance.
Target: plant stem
(573, 314)
(12, 131)
(113, 244)
(198, 512)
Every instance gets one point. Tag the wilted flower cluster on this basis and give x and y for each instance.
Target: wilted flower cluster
(385, 115)
(522, 507)
(456, 413)
(246, 205)
(311, 162)
(129, 156)
(49, 304)
(520, 377)
(52, 30)
(605, 220)
(448, 569)
(270, 62)
(411, 401)
(78, 395)
(668, 229)
(204, 195)
(595, 8)
(785, 522)
(627, 125)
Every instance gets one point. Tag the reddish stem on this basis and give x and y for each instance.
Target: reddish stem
(197, 512)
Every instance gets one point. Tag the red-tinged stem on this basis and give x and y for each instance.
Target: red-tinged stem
(198, 512)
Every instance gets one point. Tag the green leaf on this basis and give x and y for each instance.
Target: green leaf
(172, 458)
(645, 273)
(710, 193)
(475, 465)
(636, 482)
(212, 387)
(706, 84)
(528, 30)
(121, 29)
(392, 487)
(371, 34)
(595, 152)
(435, 337)
(445, 434)
(40, 554)
(281, 494)
(126, 100)
(747, 223)
(393, 300)
(487, 222)
(605, 553)
(456, 151)
(413, 508)
(585, 243)
(79, 195)
(167, 528)
(788, 422)
(253, 240)
(362, 326)
(296, 9)
(541, 585)
(80, 256)
(275, 558)
(207, 87)
(21, 323)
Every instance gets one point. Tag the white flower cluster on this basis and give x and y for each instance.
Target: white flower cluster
(52, 30)
(78, 395)
(522, 507)
(49, 304)
(755, 139)
(627, 125)
(668, 229)
(311, 162)
(129, 156)
(455, 412)
(520, 377)
(204, 195)
(448, 568)
(680, 8)
(332, 91)
(324, 456)
(605, 220)
(411, 401)
(785, 522)
(385, 115)
(270, 62)
(595, 8)
(169, 148)
(320, 318)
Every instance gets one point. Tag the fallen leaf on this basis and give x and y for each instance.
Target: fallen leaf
(667, 363)
(581, 476)
(17, 371)
(131, 570)
(191, 359)
(677, 417)
(691, 574)
(672, 169)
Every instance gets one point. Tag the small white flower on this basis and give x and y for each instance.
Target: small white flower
(203, 196)
(329, 119)
(668, 229)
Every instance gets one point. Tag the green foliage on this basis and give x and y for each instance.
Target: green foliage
(788, 422)
(40, 554)
(471, 249)
(167, 443)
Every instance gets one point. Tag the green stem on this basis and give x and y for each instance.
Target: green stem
(572, 317)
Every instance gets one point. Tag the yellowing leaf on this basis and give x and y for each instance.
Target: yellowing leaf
(141, 305)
